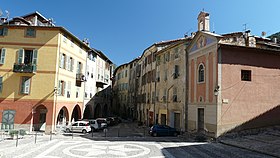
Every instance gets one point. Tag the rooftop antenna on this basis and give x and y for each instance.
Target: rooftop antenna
(213, 27)
(8, 14)
(245, 26)
(186, 34)
(51, 21)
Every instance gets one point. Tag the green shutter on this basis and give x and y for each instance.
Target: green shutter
(2, 58)
(5, 31)
(35, 56)
(1, 84)
(20, 56)
(27, 85)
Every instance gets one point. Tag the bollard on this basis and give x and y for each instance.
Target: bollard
(72, 132)
(50, 135)
(17, 140)
(105, 132)
(35, 137)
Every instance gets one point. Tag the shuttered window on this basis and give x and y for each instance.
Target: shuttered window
(25, 85)
(2, 55)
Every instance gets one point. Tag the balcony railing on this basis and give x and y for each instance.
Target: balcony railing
(25, 68)
(80, 77)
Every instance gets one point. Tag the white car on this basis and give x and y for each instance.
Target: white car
(79, 126)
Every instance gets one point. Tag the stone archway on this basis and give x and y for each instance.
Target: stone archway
(88, 113)
(105, 110)
(62, 117)
(97, 111)
(39, 115)
(76, 114)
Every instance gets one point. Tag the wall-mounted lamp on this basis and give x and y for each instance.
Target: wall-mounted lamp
(216, 90)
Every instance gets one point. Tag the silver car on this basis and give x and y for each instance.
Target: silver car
(79, 126)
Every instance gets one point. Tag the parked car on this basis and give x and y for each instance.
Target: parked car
(114, 120)
(163, 130)
(79, 126)
(97, 124)
(103, 120)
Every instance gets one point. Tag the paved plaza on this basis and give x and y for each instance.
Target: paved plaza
(132, 143)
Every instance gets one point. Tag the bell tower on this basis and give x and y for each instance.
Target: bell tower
(203, 21)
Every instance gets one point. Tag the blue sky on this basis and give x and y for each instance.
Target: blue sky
(122, 29)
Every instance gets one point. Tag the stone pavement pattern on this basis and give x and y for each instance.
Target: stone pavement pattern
(133, 141)
(79, 147)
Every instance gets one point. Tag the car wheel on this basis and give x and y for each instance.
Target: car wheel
(84, 131)
(175, 134)
(67, 130)
(154, 134)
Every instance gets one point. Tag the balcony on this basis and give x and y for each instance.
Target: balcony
(80, 77)
(25, 68)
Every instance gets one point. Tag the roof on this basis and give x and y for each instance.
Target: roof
(102, 55)
(59, 28)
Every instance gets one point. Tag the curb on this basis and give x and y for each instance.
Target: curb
(254, 150)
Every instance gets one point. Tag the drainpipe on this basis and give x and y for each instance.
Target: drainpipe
(186, 89)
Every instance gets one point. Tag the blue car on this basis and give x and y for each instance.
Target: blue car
(163, 130)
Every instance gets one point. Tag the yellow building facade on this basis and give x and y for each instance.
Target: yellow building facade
(41, 75)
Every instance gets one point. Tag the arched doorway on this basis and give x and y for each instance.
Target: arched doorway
(88, 113)
(39, 118)
(76, 114)
(63, 117)
(97, 111)
(105, 110)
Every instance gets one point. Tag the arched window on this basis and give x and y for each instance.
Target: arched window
(201, 73)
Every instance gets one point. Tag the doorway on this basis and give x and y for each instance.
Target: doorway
(200, 119)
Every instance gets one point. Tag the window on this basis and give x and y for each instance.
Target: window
(62, 60)
(79, 67)
(246, 75)
(71, 64)
(201, 73)
(69, 89)
(174, 94)
(1, 84)
(164, 95)
(2, 55)
(30, 32)
(27, 56)
(165, 75)
(61, 88)
(4, 31)
(77, 92)
(176, 53)
(176, 71)
(158, 76)
(25, 85)
(158, 60)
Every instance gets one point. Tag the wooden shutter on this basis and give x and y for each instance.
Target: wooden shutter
(5, 31)
(27, 86)
(20, 56)
(1, 84)
(35, 56)
(2, 58)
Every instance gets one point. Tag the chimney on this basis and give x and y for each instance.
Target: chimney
(203, 21)
(275, 40)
